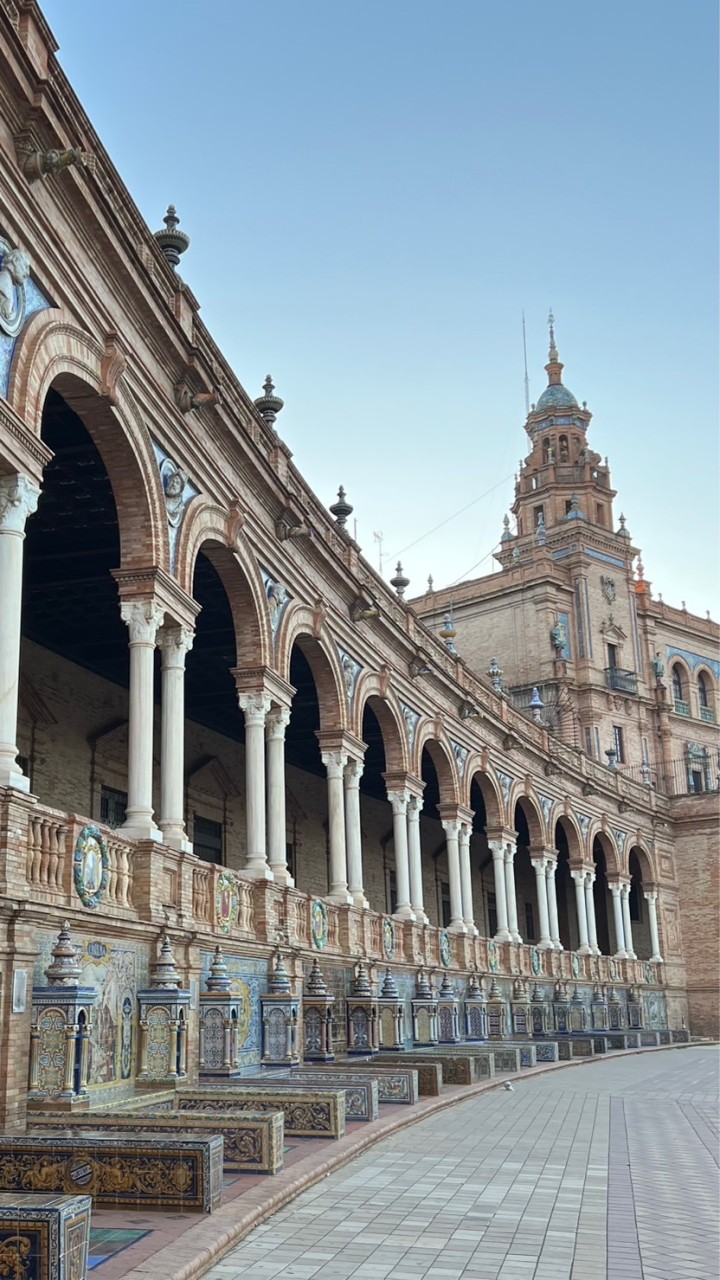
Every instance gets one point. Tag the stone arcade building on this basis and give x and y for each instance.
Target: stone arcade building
(216, 721)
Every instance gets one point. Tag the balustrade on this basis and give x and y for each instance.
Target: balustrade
(46, 850)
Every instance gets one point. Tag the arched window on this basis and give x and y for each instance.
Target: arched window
(678, 683)
(703, 693)
(564, 451)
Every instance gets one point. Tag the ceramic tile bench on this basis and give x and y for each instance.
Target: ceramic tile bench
(153, 1171)
(395, 1085)
(361, 1094)
(253, 1142)
(310, 1113)
(44, 1237)
(430, 1073)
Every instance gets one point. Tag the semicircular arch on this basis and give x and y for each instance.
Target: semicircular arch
(299, 625)
(490, 790)
(385, 706)
(440, 752)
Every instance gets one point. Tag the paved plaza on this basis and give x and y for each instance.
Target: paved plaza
(604, 1171)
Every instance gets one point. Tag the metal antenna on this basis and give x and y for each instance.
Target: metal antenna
(379, 539)
(527, 380)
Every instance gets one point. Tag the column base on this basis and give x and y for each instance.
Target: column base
(140, 828)
(340, 897)
(472, 929)
(175, 838)
(595, 951)
(516, 938)
(257, 871)
(503, 935)
(656, 960)
(457, 926)
(584, 950)
(281, 876)
(620, 955)
(546, 944)
(359, 899)
(405, 912)
(557, 945)
(631, 955)
(420, 915)
(15, 778)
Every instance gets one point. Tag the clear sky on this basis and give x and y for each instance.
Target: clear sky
(376, 191)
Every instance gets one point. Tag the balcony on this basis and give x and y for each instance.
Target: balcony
(682, 708)
(707, 714)
(620, 679)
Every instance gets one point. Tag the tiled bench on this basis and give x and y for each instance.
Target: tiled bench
(311, 1113)
(155, 1170)
(482, 1057)
(253, 1142)
(44, 1236)
(361, 1095)
(395, 1084)
(430, 1074)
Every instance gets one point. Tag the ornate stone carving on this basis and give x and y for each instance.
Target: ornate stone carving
(351, 670)
(461, 754)
(18, 500)
(277, 722)
(176, 643)
(277, 596)
(412, 720)
(143, 618)
(506, 782)
(254, 707)
(14, 271)
(43, 164)
(608, 588)
(112, 368)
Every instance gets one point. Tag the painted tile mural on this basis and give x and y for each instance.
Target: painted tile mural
(117, 972)
(249, 982)
(338, 981)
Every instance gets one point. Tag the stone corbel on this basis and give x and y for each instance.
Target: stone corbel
(468, 711)
(419, 664)
(363, 607)
(112, 367)
(38, 163)
(292, 523)
(510, 742)
(186, 399)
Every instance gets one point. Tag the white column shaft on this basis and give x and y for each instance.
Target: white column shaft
(590, 910)
(627, 924)
(452, 831)
(579, 878)
(466, 878)
(510, 893)
(550, 872)
(335, 762)
(18, 500)
(620, 951)
(143, 619)
(175, 643)
(255, 707)
(498, 857)
(353, 832)
(542, 899)
(399, 801)
(276, 724)
(417, 899)
(651, 899)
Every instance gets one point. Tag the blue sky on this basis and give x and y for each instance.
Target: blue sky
(376, 191)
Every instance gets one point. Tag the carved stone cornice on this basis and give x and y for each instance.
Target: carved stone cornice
(28, 452)
(140, 584)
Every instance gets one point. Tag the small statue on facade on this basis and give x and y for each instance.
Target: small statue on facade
(658, 667)
(558, 636)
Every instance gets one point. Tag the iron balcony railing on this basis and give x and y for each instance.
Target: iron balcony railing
(682, 708)
(620, 679)
(707, 713)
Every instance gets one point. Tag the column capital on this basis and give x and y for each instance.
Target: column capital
(650, 895)
(614, 888)
(335, 762)
(254, 707)
(175, 643)
(578, 874)
(399, 801)
(465, 833)
(539, 862)
(497, 849)
(415, 804)
(451, 826)
(353, 773)
(502, 835)
(590, 877)
(143, 619)
(18, 500)
(256, 680)
(277, 721)
(456, 813)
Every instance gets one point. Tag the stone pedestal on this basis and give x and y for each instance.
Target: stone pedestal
(476, 1021)
(424, 1012)
(60, 1033)
(448, 1007)
(635, 1010)
(616, 1016)
(599, 1010)
(363, 1016)
(280, 1016)
(219, 1018)
(561, 1010)
(317, 1018)
(578, 1014)
(391, 1015)
(163, 1024)
(496, 1013)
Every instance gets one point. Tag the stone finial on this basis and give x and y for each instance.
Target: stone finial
(506, 535)
(494, 992)
(474, 988)
(400, 581)
(279, 983)
(448, 633)
(64, 970)
(611, 753)
(537, 706)
(576, 994)
(172, 242)
(218, 982)
(316, 983)
(552, 351)
(389, 989)
(622, 531)
(361, 982)
(519, 992)
(431, 584)
(341, 509)
(269, 405)
(495, 675)
(423, 986)
(163, 973)
(536, 994)
(447, 988)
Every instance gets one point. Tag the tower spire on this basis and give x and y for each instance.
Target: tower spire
(553, 367)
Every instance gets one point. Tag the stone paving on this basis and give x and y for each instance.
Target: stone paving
(604, 1171)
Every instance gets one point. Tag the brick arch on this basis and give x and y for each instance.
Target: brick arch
(56, 354)
(490, 789)
(577, 852)
(303, 626)
(442, 758)
(533, 816)
(383, 702)
(647, 865)
(613, 861)
(675, 661)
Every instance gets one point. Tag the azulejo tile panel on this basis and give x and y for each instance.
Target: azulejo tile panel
(309, 1114)
(44, 1237)
(248, 981)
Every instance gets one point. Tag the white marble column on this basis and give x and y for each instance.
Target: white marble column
(620, 952)
(175, 644)
(510, 892)
(590, 912)
(579, 878)
(542, 900)
(276, 723)
(353, 832)
(466, 878)
(417, 897)
(497, 850)
(399, 801)
(143, 618)
(451, 827)
(335, 762)
(550, 872)
(255, 707)
(18, 500)
(651, 898)
(627, 925)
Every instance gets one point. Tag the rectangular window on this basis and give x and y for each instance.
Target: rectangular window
(600, 513)
(492, 915)
(697, 780)
(589, 741)
(612, 656)
(568, 506)
(529, 923)
(112, 806)
(619, 744)
(207, 839)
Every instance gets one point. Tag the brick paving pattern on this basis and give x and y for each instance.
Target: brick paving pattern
(606, 1171)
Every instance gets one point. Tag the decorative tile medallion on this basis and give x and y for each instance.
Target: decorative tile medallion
(506, 782)
(227, 901)
(319, 924)
(461, 754)
(575, 965)
(493, 958)
(412, 720)
(91, 866)
(350, 670)
(649, 972)
(388, 938)
(584, 820)
(445, 948)
(546, 805)
(278, 597)
(536, 961)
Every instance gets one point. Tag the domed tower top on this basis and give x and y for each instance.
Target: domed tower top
(556, 399)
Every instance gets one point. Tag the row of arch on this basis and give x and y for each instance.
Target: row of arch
(696, 690)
